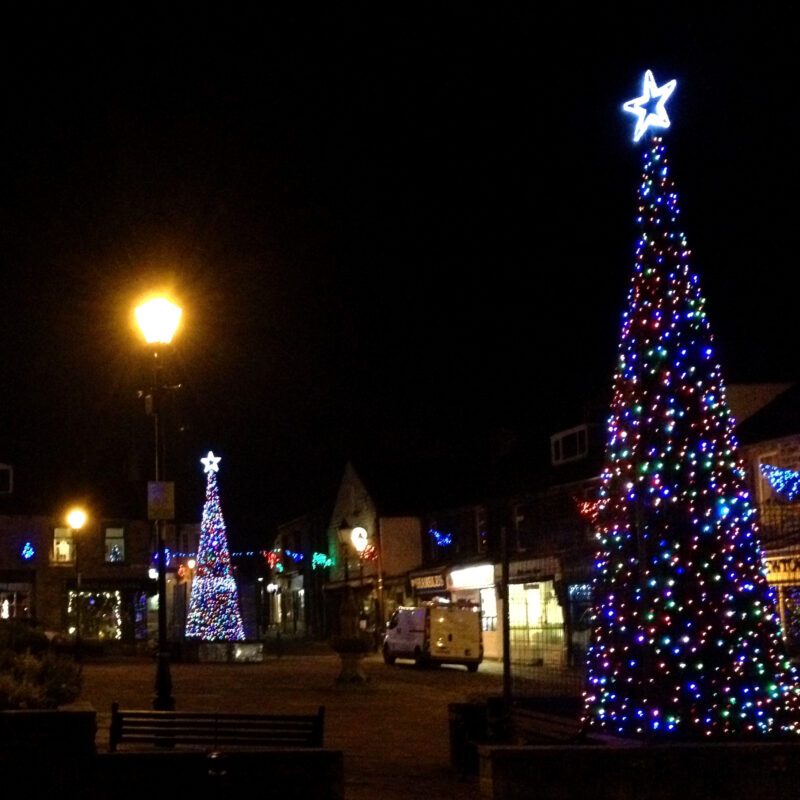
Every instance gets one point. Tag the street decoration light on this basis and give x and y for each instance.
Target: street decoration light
(76, 519)
(158, 319)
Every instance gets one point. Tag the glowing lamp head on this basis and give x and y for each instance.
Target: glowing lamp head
(158, 320)
(359, 537)
(76, 518)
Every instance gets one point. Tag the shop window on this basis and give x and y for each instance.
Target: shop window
(100, 614)
(115, 545)
(488, 609)
(13, 604)
(63, 546)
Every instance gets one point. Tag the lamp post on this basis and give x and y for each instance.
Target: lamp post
(344, 537)
(158, 320)
(348, 616)
(76, 519)
(359, 537)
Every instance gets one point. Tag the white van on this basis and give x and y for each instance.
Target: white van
(435, 634)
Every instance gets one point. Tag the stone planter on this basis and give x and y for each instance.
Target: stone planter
(352, 650)
(352, 669)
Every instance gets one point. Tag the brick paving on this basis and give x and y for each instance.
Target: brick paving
(394, 731)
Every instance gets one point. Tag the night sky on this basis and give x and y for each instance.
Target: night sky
(404, 226)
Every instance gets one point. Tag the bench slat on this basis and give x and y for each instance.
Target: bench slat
(161, 728)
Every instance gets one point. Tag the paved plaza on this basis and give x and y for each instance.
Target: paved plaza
(393, 731)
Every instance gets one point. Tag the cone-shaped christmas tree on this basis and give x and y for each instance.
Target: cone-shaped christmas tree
(214, 604)
(686, 642)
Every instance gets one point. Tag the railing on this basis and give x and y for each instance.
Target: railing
(779, 525)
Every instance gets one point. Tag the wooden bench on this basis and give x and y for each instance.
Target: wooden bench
(214, 731)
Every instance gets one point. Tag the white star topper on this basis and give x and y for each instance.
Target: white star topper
(642, 106)
(211, 462)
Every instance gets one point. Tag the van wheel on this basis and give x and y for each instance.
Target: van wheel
(388, 658)
(472, 667)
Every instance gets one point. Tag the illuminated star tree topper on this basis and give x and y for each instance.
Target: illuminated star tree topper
(650, 107)
(214, 613)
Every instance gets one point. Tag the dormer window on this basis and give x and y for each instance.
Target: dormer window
(569, 445)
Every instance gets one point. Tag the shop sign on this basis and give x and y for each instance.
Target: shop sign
(533, 569)
(477, 577)
(428, 583)
(783, 569)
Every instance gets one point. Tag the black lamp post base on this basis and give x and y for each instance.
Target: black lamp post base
(163, 700)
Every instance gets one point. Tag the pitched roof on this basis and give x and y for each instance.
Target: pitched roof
(777, 418)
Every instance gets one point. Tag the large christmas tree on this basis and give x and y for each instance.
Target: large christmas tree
(687, 642)
(214, 604)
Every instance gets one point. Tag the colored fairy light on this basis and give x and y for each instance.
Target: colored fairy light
(321, 561)
(214, 613)
(28, 551)
(687, 641)
(786, 482)
(440, 538)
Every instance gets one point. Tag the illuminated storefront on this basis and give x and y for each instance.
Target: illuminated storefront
(783, 574)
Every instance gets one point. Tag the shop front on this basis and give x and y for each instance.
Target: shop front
(783, 575)
(536, 616)
(476, 585)
(109, 611)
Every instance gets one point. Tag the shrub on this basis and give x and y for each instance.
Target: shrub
(30, 680)
(20, 637)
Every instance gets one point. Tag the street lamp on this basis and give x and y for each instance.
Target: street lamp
(344, 537)
(158, 320)
(76, 519)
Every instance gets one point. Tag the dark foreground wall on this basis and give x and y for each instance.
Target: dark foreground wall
(285, 773)
(53, 754)
(652, 772)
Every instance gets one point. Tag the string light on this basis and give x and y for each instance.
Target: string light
(686, 641)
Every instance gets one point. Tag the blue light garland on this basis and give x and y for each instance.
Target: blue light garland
(28, 551)
(785, 482)
(441, 539)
